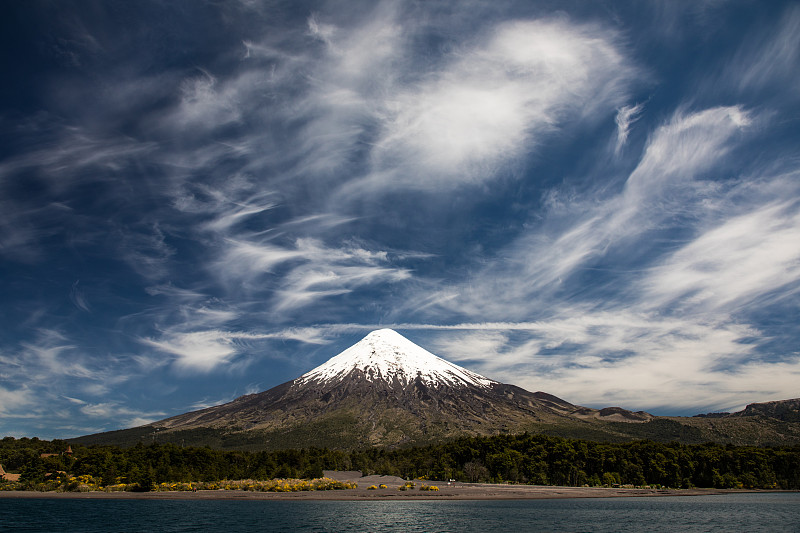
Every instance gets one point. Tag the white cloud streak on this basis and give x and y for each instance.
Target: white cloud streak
(145, 250)
(315, 270)
(770, 58)
(494, 102)
(664, 184)
(626, 116)
(746, 257)
(204, 351)
(107, 410)
(201, 351)
(13, 402)
(78, 298)
(206, 105)
(47, 366)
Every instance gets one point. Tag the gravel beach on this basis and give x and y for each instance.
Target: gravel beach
(454, 491)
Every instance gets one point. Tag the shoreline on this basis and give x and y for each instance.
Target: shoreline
(465, 491)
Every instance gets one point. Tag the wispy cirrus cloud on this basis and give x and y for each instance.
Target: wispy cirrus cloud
(145, 250)
(626, 117)
(206, 350)
(115, 410)
(204, 104)
(58, 159)
(14, 399)
(201, 351)
(682, 150)
(49, 355)
(628, 358)
(667, 183)
(562, 353)
(315, 270)
(44, 370)
(492, 102)
(78, 297)
(769, 58)
(63, 154)
(753, 255)
(306, 286)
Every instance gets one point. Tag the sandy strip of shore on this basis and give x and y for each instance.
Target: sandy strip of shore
(455, 491)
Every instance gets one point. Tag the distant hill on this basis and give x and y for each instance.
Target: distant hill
(387, 391)
(785, 410)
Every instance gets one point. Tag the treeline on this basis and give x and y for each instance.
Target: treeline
(532, 459)
(545, 460)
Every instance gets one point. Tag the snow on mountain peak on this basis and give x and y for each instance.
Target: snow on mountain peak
(386, 355)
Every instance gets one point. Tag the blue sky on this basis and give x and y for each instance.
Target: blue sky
(198, 200)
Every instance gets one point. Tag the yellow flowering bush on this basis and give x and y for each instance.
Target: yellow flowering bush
(9, 485)
(82, 483)
(407, 485)
(87, 483)
(167, 487)
(273, 485)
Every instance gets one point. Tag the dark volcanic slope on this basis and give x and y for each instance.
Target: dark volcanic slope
(357, 412)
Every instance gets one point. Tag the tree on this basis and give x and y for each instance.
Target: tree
(144, 479)
(475, 471)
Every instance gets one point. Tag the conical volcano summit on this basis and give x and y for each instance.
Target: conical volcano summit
(386, 356)
(387, 391)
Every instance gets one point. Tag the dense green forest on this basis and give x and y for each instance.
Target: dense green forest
(534, 459)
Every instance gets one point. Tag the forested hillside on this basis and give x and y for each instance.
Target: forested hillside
(533, 459)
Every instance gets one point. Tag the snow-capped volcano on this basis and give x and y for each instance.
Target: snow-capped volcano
(388, 356)
(387, 391)
(384, 390)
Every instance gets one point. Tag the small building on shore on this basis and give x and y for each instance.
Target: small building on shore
(5, 476)
(68, 451)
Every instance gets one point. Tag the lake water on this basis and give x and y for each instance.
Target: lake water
(729, 512)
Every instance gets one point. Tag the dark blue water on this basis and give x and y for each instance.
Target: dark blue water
(734, 512)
